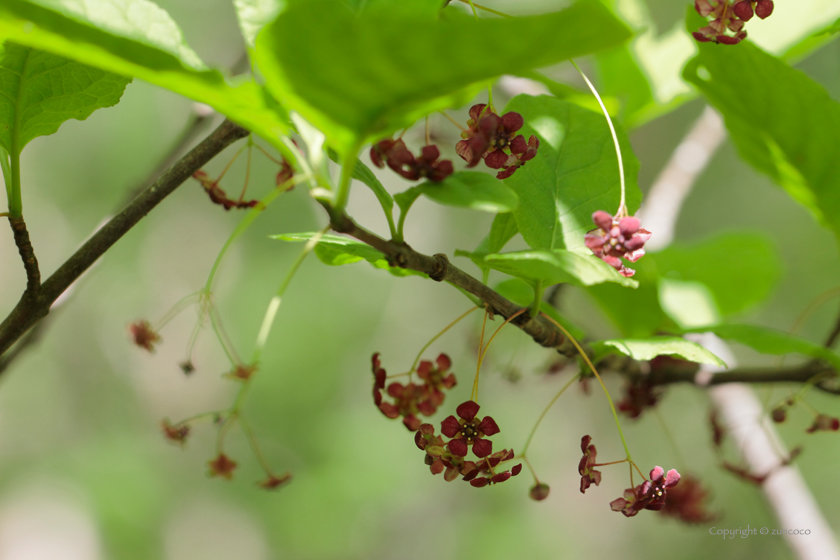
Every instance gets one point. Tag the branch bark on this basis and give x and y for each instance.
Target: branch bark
(27, 254)
(35, 305)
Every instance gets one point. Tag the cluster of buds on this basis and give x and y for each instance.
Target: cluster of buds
(494, 139)
(650, 494)
(616, 239)
(395, 155)
(822, 422)
(468, 432)
(413, 398)
(727, 16)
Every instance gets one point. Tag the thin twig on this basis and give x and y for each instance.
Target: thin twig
(33, 307)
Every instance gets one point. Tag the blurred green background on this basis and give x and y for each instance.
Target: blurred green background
(85, 472)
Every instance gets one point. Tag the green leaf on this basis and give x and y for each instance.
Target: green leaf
(649, 348)
(522, 294)
(771, 341)
(138, 40)
(39, 91)
(502, 230)
(574, 173)
(740, 269)
(382, 70)
(253, 15)
(783, 123)
(336, 250)
(553, 267)
(470, 189)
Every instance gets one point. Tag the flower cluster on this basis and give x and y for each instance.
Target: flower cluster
(396, 155)
(727, 16)
(494, 139)
(687, 502)
(615, 239)
(588, 474)
(824, 423)
(638, 395)
(650, 494)
(144, 335)
(218, 195)
(413, 399)
(465, 432)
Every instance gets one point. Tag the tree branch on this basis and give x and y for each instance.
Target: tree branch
(27, 254)
(440, 269)
(34, 306)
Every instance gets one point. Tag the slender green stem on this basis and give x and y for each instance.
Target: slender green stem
(544, 412)
(200, 416)
(231, 355)
(176, 309)
(246, 223)
(538, 295)
(401, 222)
(622, 206)
(470, 2)
(274, 305)
(474, 394)
(434, 338)
(453, 121)
(489, 342)
(486, 9)
(252, 441)
(598, 377)
(15, 202)
(343, 193)
(7, 175)
(670, 435)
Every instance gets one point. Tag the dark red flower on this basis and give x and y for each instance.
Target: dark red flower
(396, 155)
(409, 400)
(436, 379)
(650, 494)
(824, 423)
(728, 17)
(588, 474)
(379, 376)
(687, 502)
(241, 372)
(615, 239)
(222, 466)
(638, 395)
(176, 433)
(144, 335)
(779, 414)
(469, 431)
(539, 492)
(494, 139)
(274, 482)
(488, 467)
(520, 152)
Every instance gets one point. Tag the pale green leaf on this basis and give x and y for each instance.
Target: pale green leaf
(649, 348)
(39, 91)
(359, 77)
(574, 173)
(553, 267)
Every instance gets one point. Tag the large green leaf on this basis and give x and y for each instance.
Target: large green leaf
(771, 341)
(649, 348)
(553, 267)
(466, 189)
(336, 250)
(783, 123)
(253, 15)
(39, 91)
(574, 173)
(137, 38)
(361, 76)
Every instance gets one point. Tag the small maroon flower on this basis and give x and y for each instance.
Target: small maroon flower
(728, 17)
(379, 376)
(763, 8)
(824, 423)
(222, 466)
(615, 239)
(743, 10)
(779, 414)
(469, 431)
(396, 155)
(650, 494)
(187, 367)
(144, 335)
(687, 502)
(218, 195)
(588, 474)
(274, 482)
(539, 492)
(638, 395)
(495, 139)
(520, 152)
(409, 400)
(436, 379)
(488, 468)
(176, 433)
(241, 372)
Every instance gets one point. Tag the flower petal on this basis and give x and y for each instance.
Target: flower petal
(495, 159)
(656, 474)
(443, 363)
(467, 410)
(516, 470)
(672, 478)
(450, 427)
(482, 447)
(429, 153)
(479, 482)
(489, 426)
(602, 220)
(457, 447)
(512, 121)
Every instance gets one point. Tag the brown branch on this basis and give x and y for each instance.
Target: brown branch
(33, 307)
(832, 336)
(440, 269)
(27, 254)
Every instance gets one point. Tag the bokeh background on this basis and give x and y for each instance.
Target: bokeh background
(86, 474)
